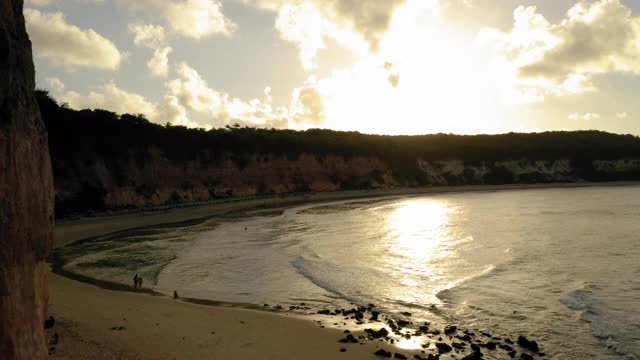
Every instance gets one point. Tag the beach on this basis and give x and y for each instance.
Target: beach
(100, 323)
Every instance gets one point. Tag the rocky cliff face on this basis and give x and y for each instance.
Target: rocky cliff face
(26, 189)
(156, 180)
(149, 178)
(457, 172)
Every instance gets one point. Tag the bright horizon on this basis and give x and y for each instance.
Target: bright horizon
(392, 67)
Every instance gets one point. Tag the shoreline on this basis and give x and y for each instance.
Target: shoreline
(68, 231)
(74, 298)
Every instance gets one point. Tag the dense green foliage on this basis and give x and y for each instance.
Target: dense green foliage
(85, 135)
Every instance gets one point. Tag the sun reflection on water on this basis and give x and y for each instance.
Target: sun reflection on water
(418, 235)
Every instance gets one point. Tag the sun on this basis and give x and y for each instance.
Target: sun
(424, 78)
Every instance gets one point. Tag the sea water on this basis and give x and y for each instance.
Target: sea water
(561, 266)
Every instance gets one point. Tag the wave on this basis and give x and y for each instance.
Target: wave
(584, 301)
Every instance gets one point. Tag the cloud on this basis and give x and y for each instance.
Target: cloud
(307, 106)
(63, 43)
(209, 107)
(112, 98)
(190, 18)
(56, 85)
(584, 117)
(560, 59)
(350, 22)
(151, 36)
(159, 62)
(622, 115)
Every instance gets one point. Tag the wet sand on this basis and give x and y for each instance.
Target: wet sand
(101, 323)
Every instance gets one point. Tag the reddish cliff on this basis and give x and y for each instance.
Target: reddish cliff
(26, 195)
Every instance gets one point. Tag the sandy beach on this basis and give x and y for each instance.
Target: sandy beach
(98, 323)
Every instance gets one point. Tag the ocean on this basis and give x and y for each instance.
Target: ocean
(561, 266)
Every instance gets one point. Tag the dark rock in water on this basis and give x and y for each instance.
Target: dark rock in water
(406, 313)
(451, 329)
(324, 312)
(424, 329)
(359, 316)
(528, 344)
(347, 331)
(382, 353)
(524, 356)
(490, 345)
(505, 347)
(374, 315)
(464, 337)
(400, 356)
(473, 356)
(512, 353)
(377, 334)
(508, 341)
(349, 339)
(457, 345)
(402, 323)
(475, 347)
(443, 348)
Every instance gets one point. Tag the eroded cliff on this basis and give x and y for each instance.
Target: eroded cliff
(26, 195)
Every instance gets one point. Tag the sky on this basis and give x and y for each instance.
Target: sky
(373, 66)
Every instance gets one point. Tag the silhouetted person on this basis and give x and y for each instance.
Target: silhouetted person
(135, 281)
(175, 294)
(140, 282)
(53, 343)
(48, 324)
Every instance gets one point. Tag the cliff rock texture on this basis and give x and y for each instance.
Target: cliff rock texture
(26, 195)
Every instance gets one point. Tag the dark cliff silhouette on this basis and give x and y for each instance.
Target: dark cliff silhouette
(26, 196)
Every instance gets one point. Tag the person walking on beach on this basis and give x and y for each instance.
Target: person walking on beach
(175, 294)
(135, 281)
(140, 282)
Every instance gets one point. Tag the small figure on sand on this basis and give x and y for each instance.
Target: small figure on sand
(135, 281)
(245, 228)
(53, 343)
(139, 282)
(175, 294)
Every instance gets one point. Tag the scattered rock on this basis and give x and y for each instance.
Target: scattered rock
(443, 348)
(473, 356)
(490, 345)
(451, 329)
(528, 344)
(524, 356)
(400, 356)
(406, 313)
(343, 350)
(382, 353)
(324, 312)
(383, 332)
(349, 339)
(402, 323)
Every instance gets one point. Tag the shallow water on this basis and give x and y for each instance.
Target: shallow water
(561, 266)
